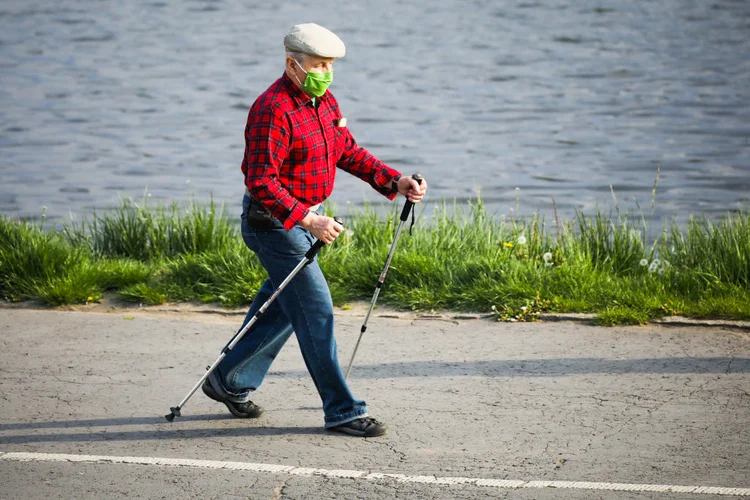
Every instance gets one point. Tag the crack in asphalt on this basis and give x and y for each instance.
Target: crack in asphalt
(88, 383)
(279, 490)
(398, 454)
(729, 365)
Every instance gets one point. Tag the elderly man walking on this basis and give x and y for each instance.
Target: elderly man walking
(295, 139)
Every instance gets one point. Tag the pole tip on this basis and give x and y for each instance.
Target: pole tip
(175, 412)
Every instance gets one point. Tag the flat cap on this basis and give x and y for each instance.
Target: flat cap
(313, 39)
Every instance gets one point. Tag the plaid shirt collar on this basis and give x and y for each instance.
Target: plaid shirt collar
(299, 95)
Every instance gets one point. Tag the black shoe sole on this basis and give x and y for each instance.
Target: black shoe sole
(353, 432)
(209, 391)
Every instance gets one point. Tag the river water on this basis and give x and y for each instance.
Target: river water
(518, 100)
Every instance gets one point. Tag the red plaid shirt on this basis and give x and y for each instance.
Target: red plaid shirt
(292, 149)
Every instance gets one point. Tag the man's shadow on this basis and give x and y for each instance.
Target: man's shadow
(160, 430)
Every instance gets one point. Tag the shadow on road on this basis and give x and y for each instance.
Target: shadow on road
(160, 429)
(110, 422)
(543, 367)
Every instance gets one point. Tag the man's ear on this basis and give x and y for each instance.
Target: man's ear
(291, 65)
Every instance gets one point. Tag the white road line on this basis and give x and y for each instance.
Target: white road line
(372, 476)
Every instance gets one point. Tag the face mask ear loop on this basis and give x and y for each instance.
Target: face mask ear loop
(295, 73)
(298, 64)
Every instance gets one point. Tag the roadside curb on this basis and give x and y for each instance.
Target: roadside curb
(715, 323)
(588, 318)
(359, 309)
(666, 321)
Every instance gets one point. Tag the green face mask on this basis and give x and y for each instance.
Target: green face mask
(315, 83)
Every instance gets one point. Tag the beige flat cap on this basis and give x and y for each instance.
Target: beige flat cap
(311, 38)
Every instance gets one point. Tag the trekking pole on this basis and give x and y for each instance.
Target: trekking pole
(309, 257)
(404, 215)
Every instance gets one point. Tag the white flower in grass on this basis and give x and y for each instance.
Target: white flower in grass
(652, 268)
(661, 271)
(643, 262)
(656, 263)
(547, 257)
(522, 240)
(523, 308)
(548, 264)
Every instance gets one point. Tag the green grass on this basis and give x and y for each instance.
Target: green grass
(135, 231)
(44, 265)
(458, 258)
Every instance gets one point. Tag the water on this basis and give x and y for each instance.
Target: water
(561, 99)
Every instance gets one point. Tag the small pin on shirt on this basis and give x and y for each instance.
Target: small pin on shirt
(341, 122)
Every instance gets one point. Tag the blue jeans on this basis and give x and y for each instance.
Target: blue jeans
(305, 307)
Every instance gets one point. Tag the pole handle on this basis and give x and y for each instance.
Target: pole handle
(408, 205)
(310, 255)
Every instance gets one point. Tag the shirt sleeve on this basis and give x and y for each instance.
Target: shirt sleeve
(266, 147)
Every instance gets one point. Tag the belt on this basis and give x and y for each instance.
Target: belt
(313, 208)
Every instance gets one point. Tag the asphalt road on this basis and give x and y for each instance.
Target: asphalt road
(580, 407)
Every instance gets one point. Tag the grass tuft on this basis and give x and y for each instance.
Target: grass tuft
(621, 316)
(139, 232)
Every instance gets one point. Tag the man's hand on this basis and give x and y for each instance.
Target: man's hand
(324, 228)
(411, 189)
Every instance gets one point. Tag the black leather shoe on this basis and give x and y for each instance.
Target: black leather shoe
(241, 410)
(362, 427)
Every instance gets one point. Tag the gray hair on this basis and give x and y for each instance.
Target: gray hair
(300, 57)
